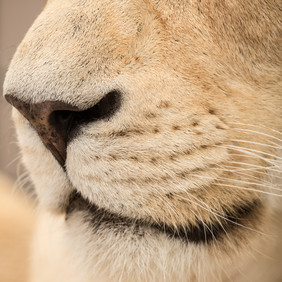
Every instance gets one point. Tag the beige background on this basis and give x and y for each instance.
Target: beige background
(15, 18)
(16, 213)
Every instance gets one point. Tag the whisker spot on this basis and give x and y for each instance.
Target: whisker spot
(150, 115)
(153, 160)
(114, 157)
(176, 127)
(219, 127)
(134, 158)
(170, 195)
(164, 104)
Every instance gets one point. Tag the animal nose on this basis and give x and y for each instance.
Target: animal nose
(55, 121)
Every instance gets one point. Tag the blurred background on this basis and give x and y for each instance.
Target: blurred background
(16, 16)
(17, 215)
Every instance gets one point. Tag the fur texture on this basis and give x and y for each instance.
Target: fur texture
(16, 228)
(198, 134)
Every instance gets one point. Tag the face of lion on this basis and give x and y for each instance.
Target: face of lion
(179, 179)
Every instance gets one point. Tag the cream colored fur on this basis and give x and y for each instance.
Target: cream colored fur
(16, 227)
(198, 132)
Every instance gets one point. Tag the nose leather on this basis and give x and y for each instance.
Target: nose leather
(41, 117)
(56, 121)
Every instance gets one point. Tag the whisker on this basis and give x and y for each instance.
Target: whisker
(250, 189)
(256, 143)
(238, 171)
(253, 157)
(211, 210)
(221, 216)
(209, 229)
(253, 167)
(17, 158)
(251, 152)
(258, 126)
(272, 168)
(258, 132)
(169, 206)
(190, 195)
(236, 180)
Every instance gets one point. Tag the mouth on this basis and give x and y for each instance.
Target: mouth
(200, 233)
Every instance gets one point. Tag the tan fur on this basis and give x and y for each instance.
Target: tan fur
(199, 130)
(16, 228)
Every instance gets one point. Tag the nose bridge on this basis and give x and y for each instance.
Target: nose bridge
(65, 51)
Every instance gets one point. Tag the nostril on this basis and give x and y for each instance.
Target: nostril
(104, 109)
(56, 121)
(62, 121)
(63, 118)
(66, 122)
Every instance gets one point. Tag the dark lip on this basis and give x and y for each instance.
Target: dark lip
(199, 233)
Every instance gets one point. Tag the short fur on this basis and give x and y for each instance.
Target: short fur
(198, 134)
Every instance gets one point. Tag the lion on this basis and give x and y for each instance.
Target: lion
(152, 134)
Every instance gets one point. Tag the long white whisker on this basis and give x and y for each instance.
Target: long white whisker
(270, 168)
(252, 167)
(221, 216)
(13, 161)
(253, 150)
(250, 152)
(236, 180)
(238, 172)
(258, 132)
(250, 189)
(256, 125)
(189, 195)
(208, 208)
(256, 143)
